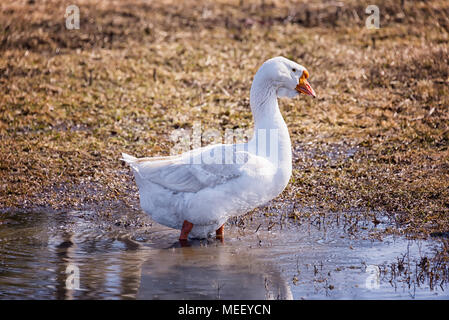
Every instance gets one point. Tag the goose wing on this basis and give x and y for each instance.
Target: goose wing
(195, 170)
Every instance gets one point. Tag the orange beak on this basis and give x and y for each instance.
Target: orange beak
(304, 86)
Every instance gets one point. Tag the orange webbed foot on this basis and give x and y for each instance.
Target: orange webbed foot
(186, 228)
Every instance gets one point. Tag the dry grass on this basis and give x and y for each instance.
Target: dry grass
(376, 139)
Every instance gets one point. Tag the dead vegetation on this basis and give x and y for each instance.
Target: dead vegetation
(376, 138)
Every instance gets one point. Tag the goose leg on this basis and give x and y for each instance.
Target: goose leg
(220, 232)
(186, 228)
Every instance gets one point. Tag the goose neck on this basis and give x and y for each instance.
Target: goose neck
(263, 101)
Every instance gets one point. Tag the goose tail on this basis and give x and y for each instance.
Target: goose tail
(132, 161)
(128, 158)
(134, 164)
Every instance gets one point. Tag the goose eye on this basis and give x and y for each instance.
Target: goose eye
(294, 70)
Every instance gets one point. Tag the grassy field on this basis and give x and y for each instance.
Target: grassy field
(375, 141)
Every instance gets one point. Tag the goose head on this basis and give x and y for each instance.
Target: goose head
(286, 77)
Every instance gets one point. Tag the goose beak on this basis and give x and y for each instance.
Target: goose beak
(305, 88)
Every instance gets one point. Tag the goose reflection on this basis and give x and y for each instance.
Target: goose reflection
(211, 271)
(115, 266)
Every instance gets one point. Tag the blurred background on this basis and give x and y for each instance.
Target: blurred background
(72, 99)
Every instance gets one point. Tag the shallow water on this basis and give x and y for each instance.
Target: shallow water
(75, 255)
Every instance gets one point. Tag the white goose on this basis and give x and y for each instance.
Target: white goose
(199, 190)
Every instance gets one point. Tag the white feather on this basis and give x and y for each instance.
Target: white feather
(203, 186)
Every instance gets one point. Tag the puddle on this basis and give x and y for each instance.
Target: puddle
(76, 256)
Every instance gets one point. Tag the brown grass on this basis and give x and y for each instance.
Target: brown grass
(375, 140)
